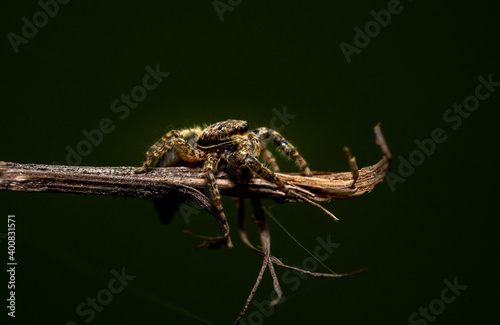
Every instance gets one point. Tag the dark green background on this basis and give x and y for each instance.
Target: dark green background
(439, 224)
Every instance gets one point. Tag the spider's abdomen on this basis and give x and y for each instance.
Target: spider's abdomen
(221, 134)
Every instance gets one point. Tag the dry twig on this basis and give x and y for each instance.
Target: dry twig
(187, 183)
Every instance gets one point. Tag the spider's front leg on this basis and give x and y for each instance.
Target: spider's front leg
(239, 159)
(283, 145)
(210, 167)
(168, 141)
(256, 166)
(269, 158)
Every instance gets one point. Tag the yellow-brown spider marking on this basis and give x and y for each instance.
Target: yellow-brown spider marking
(227, 142)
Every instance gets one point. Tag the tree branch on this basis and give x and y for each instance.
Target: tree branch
(189, 183)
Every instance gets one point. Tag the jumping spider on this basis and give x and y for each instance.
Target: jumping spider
(228, 142)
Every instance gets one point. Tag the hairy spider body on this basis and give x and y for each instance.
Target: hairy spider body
(227, 142)
(221, 134)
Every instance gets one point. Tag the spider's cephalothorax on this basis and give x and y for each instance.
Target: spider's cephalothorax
(229, 142)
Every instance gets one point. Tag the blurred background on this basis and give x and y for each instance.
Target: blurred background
(323, 74)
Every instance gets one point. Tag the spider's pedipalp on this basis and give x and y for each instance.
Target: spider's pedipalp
(168, 141)
(283, 145)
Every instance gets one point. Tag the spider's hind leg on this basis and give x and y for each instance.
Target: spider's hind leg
(283, 145)
(168, 141)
